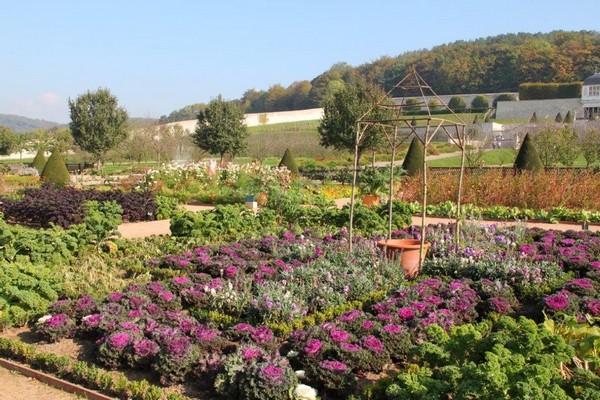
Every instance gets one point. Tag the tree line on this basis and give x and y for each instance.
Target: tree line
(488, 65)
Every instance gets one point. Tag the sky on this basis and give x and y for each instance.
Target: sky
(159, 56)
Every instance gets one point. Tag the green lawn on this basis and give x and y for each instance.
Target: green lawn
(498, 157)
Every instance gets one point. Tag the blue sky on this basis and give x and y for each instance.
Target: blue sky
(158, 56)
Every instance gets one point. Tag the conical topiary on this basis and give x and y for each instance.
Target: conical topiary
(533, 118)
(568, 118)
(39, 161)
(55, 170)
(413, 162)
(528, 158)
(558, 118)
(288, 161)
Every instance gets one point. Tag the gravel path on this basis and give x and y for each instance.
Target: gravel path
(146, 229)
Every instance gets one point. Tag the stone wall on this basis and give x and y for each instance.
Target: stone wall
(542, 108)
(468, 98)
(268, 118)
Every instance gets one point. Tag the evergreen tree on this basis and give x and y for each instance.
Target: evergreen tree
(413, 162)
(55, 170)
(533, 119)
(568, 118)
(528, 158)
(288, 161)
(558, 118)
(39, 161)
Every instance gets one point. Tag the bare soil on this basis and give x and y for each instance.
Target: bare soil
(14, 386)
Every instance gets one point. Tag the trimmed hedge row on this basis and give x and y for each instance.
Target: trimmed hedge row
(542, 91)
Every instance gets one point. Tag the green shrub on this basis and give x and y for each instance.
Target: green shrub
(39, 161)
(288, 161)
(528, 157)
(503, 97)
(480, 104)
(457, 104)
(413, 162)
(516, 359)
(55, 170)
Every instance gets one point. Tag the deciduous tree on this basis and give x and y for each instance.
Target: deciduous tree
(98, 124)
(6, 140)
(341, 113)
(220, 128)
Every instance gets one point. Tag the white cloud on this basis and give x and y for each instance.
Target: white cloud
(48, 105)
(50, 98)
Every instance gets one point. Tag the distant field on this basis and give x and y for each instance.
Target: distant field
(302, 138)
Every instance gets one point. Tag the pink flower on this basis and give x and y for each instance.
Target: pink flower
(313, 346)
(119, 340)
(167, 296)
(333, 365)
(262, 334)
(350, 316)
(115, 297)
(339, 335)
(500, 305)
(251, 353)
(393, 328)
(557, 302)
(582, 283)
(367, 325)
(406, 313)
(350, 347)
(181, 280)
(230, 271)
(272, 373)
(243, 327)
(56, 321)
(145, 348)
(372, 343)
(593, 307)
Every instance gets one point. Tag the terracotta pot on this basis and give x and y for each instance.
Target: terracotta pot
(261, 199)
(408, 252)
(370, 200)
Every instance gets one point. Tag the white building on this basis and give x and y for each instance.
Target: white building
(590, 96)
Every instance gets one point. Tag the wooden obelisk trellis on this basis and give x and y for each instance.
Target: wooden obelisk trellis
(391, 118)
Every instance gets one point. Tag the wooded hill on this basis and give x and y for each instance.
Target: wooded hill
(493, 64)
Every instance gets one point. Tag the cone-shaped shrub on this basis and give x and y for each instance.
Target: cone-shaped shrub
(558, 118)
(288, 161)
(533, 118)
(568, 118)
(39, 161)
(55, 170)
(528, 158)
(413, 162)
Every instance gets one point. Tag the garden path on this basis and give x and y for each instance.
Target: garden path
(14, 386)
(144, 229)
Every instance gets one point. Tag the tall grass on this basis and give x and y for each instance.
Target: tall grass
(567, 188)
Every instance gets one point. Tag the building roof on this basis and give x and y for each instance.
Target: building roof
(592, 80)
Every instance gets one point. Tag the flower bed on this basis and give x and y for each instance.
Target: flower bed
(243, 317)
